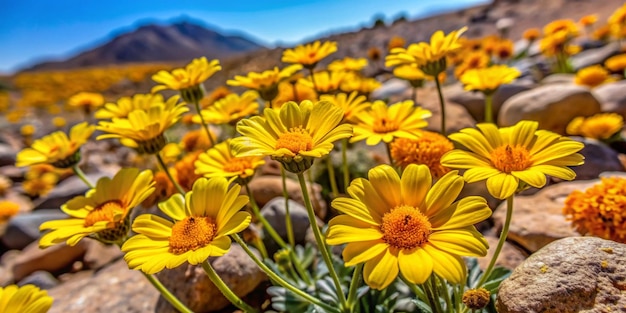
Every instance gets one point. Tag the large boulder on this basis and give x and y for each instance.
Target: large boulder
(577, 274)
(598, 158)
(612, 97)
(595, 56)
(553, 106)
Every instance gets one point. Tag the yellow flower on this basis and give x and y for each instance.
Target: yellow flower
(194, 74)
(202, 221)
(184, 170)
(266, 83)
(617, 21)
(616, 63)
(403, 225)
(293, 91)
(600, 210)
(395, 42)
(427, 149)
(57, 149)
(86, 101)
(355, 82)
(588, 20)
(310, 54)
(564, 25)
(508, 156)
(8, 209)
(217, 93)
(294, 135)
(27, 130)
(430, 57)
(351, 104)
(230, 109)
(347, 64)
(59, 122)
(531, 34)
(220, 162)
(400, 120)
(410, 73)
(103, 213)
(601, 33)
(143, 129)
(592, 76)
(41, 185)
(489, 79)
(196, 140)
(324, 81)
(504, 49)
(473, 60)
(26, 299)
(600, 126)
(125, 105)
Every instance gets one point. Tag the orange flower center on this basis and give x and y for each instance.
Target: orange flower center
(385, 125)
(191, 234)
(405, 227)
(104, 212)
(510, 158)
(427, 150)
(238, 165)
(296, 140)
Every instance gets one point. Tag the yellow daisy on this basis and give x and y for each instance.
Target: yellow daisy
(230, 109)
(592, 76)
(266, 83)
(86, 101)
(8, 209)
(399, 120)
(601, 126)
(427, 149)
(202, 221)
(430, 57)
(616, 64)
(324, 82)
(508, 156)
(125, 105)
(351, 104)
(220, 162)
(143, 129)
(348, 64)
(294, 135)
(103, 213)
(26, 299)
(405, 225)
(489, 79)
(310, 54)
(187, 80)
(57, 149)
(355, 82)
(410, 73)
(531, 34)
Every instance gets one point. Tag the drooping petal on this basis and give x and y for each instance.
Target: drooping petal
(502, 185)
(449, 267)
(382, 270)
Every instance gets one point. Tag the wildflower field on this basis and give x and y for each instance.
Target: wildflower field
(340, 193)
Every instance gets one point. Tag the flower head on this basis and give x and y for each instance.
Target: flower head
(393, 223)
(382, 122)
(427, 149)
(489, 79)
(86, 101)
(592, 76)
(125, 105)
(588, 20)
(347, 64)
(143, 129)
(103, 213)
(266, 83)
(230, 109)
(531, 34)
(27, 298)
(310, 54)
(8, 209)
(600, 210)
(616, 63)
(220, 162)
(324, 82)
(410, 73)
(192, 75)
(200, 224)
(294, 135)
(57, 149)
(351, 104)
(601, 126)
(508, 156)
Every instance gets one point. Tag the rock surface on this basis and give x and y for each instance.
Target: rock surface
(578, 274)
(274, 211)
(267, 187)
(51, 259)
(23, 229)
(613, 97)
(598, 158)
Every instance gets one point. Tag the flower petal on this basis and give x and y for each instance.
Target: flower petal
(449, 267)
(502, 185)
(464, 242)
(415, 265)
(382, 270)
(358, 252)
(415, 182)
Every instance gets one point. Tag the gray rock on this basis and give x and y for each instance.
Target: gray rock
(578, 274)
(598, 158)
(390, 88)
(595, 56)
(274, 212)
(192, 286)
(612, 97)
(558, 78)
(65, 191)
(7, 155)
(553, 106)
(41, 279)
(23, 229)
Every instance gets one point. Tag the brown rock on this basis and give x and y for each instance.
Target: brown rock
(192, 286)
(52, 259)
(578, 274)
(598, 158)
(613, 97)
(265, 188)
(99, 255)
(538, 219)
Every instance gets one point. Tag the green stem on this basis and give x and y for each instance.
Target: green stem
(290, 237)
(258, 243)
(445, 292)
(204, 124)
(320, 240)
(279, 280)
(331, 177)
(419, 293)
(489, 108)
(167, 294)
(442, 105)
(354, 286)
(81, 175)
(344, 163)
(429, 295)
(501, 241)
(227, 292)
(169, 175)
(435, 291)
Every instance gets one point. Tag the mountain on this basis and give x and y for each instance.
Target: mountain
(158, 43)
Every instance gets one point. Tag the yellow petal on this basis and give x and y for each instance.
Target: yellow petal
(443, 193)
(386, 182)
(355, 209)
(359, 252)
(502, 185)
(465, 212)
(415, 183)
(343, 229)
(463, 242)
(532, 177)
(415, 265)
(449, 267)
(382, 270)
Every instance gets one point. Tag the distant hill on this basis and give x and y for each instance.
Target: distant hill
(158, 43)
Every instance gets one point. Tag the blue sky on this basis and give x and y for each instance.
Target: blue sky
(40, 30)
